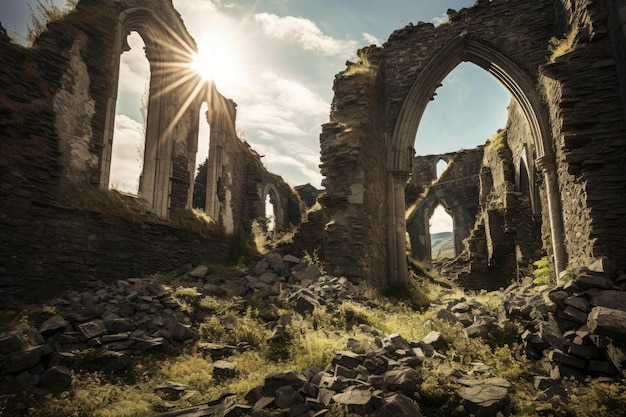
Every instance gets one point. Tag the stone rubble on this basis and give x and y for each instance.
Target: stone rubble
(577, 329)
(101, 327)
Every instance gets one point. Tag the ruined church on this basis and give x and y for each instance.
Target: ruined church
(550, 184)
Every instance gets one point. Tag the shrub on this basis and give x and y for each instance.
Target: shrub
(544, 272)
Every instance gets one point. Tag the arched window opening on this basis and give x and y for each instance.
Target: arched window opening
(468, 108)
(441, 229)
(269, 214)
(202, 160)
(524, 181)
(441, 167)
(129, 137)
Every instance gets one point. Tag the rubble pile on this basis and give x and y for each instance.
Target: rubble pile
(577, 329)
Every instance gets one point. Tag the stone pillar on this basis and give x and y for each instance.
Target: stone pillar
(396, 232)
(547, 165)
(214, 167)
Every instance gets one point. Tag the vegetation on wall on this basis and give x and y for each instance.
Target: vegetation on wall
(44, 12)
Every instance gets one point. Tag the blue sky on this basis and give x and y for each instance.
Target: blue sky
(277, 60)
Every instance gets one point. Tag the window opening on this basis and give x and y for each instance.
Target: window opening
(129, 137)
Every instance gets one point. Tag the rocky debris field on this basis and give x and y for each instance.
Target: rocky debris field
(573, 330)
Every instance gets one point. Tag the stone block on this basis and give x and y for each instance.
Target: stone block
(403, 379)
(10, 341)
(607, 322)
(22, 360)
(613, 299)
(56, 379)
(484, 398)
(569, 360)
(287, 397)
(348, 359)
(54, 325)
(398, 405)
(181, 333)
(224, 369)
(277, 379)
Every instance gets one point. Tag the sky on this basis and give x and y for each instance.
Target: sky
(277, 60)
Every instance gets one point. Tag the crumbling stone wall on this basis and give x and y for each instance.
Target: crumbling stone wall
(353, 163)
(456, 189)
(572, 103)
(235, 183)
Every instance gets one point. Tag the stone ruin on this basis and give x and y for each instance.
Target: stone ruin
(57, 108)
(553, 188)
(563, 166)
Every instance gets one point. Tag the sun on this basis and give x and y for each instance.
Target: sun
(217, 61)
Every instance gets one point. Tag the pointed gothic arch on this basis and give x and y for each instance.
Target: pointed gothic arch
(521, 86)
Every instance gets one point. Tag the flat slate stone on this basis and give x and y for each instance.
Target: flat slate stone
(92, 329)
(484, 398)
(10, 341)
(56, 324)
(354, 397)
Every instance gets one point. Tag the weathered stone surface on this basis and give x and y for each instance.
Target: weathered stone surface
(306, 304)
(91, 329)
(613, 299)
(593, 281)
(398, 405)
(199, 271)
(353, 397)
(484, 398)
(54, 325)
(287, 397)
(403, 379)
(607, 322)
(180, 332)
(224, 369)
(347, 359)
(310, 273)
(275, 380)
(21, 360)
(10, 341)
(57, 378)
(434, 339)
(119, 325)
(395, 341)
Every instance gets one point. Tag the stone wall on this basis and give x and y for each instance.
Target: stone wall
(57, 111)
(456, 189)
(587, 113)
(353, 163)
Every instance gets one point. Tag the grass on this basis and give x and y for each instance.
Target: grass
(362, 67)
(311, 341)
(560, 47)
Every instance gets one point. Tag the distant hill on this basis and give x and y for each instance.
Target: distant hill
(442, 245)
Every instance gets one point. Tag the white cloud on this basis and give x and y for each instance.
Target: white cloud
(371, 39)
(279, 107)
(293, 170)
(134, 66)
(305, 32)
(441, 221)
(438, 20)
(127, 154)
(197, 5)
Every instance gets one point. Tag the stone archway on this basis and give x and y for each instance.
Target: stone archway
(378, 104)
(165, 178)
(418, 223)
(275, 199)
(523, 90)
